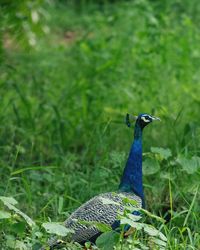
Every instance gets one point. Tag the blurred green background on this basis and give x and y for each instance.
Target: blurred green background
(69, 72)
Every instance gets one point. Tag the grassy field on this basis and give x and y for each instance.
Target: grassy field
(63, 102)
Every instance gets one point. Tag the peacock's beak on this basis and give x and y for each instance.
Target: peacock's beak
(155, 118)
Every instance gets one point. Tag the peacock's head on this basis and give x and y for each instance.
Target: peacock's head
(142, 119)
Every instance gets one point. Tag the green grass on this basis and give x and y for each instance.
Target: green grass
(62, 137)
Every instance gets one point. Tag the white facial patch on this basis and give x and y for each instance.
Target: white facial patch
(144, 119)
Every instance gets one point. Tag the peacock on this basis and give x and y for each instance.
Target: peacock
(131, 186)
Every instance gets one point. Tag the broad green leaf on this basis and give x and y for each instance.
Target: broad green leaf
(189, 165)
(108, 240)
(10, 241)
(36, 246)
(9, 200)
(159, 242)
(137, 225)
(162, 236)
(167, 175)
(19, 245)
(4, 215)
(102, 227)
(130, 201)
(164, 153)
(131, 208)
(108, 201)
(150, 230)
(38, 234)
(185, 164)
(99, 225)
(19, 227)
(142, 246)
(134, 217)
(196, 159)
(150, 166)
(20, 149)
(56, 228)
(87, 245)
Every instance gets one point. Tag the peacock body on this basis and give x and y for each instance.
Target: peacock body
(96, 210)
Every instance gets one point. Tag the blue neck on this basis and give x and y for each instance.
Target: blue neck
(132, 177)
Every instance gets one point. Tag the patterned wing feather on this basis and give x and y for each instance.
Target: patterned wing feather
(98, 209)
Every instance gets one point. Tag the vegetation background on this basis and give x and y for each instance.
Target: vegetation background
(70, 71)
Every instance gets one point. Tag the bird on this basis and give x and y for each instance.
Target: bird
(131, 186)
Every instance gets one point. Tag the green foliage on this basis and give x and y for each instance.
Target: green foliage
(14, 226)
(191, 166)
(4, 215)
(164, 153)
(100, 226)
(64, 94)
(150, 166)
(56, 228)
(10, 203)
(22, 22)
(108, 240)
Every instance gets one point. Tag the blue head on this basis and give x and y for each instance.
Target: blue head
(142, 120)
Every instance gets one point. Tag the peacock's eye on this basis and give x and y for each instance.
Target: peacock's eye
(146, 118)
